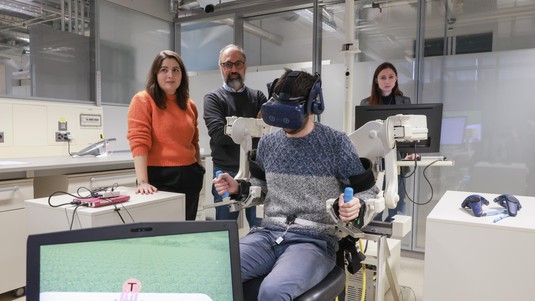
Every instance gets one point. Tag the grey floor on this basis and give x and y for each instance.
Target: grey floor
(410, 276)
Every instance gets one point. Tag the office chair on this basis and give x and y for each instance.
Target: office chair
(328, 289)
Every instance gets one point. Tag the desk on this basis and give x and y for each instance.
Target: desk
(472, 258)
(159, 207)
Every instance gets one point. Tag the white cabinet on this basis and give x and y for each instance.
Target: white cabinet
(475, 258)
(161, 206)
(13, 233)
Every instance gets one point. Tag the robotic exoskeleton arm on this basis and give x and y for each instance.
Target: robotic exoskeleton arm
(242, 131)
(376, 140)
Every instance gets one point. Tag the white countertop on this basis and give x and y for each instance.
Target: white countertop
(36, 166)
(19, 168)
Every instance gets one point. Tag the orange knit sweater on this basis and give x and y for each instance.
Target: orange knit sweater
(168, 137)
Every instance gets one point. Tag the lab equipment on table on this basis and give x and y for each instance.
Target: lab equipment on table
(100, 148)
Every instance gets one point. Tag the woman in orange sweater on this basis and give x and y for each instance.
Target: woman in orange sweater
(164, 135)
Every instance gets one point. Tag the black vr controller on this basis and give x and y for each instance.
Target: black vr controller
(475, 203)
(509, 202)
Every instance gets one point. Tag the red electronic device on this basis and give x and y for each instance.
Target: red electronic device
(102, 201)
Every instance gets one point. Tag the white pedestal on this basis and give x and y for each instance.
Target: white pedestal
(158, 207)
(473, 258)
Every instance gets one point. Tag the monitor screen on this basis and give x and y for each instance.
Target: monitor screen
(170, 261)
(453, 129)
(433, 112)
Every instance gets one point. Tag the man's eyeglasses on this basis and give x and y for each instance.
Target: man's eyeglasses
(228, 65)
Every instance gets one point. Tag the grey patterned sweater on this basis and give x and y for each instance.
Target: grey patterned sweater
(301, 174)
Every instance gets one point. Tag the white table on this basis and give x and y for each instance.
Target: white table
(158, 207)
(473, 258)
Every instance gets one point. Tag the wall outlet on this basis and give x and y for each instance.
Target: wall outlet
(62, 136)
(1, 137)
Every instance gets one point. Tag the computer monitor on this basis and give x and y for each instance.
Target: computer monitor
(191, 260)
(433, 112)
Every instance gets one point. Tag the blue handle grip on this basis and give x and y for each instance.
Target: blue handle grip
(348, 194)
(217, 173)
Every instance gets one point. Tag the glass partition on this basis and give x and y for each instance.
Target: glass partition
(129, 41)
(201, 43)
(481, 71)
(46, 49)
(43, 44)
(276, 39)
(59, 64)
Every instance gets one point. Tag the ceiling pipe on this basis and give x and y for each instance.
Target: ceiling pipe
(173, 6)
(62, 15)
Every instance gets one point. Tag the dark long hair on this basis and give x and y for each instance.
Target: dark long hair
(154, 89)
(375, 97)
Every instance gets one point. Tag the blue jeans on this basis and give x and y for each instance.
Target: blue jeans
(223, 212)
(290, 268)
(401, 207)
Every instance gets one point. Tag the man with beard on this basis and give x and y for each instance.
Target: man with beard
(232, 99)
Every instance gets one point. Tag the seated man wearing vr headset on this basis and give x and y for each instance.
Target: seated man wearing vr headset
(299, 167)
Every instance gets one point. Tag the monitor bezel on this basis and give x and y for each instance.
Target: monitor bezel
(127, 231)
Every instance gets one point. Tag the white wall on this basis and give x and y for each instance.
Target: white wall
(30, 127)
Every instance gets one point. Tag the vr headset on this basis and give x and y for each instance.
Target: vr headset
(288, 112)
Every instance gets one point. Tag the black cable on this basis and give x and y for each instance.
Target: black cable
(73, 215)
(117, 209)
(98, 192)
(69, 203)
(69, 147)
(426, 179)
(128, 212)
(87, 189)
(407, 287)
(92, 194)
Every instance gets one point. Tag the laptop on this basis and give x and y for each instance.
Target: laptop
(187, 261)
